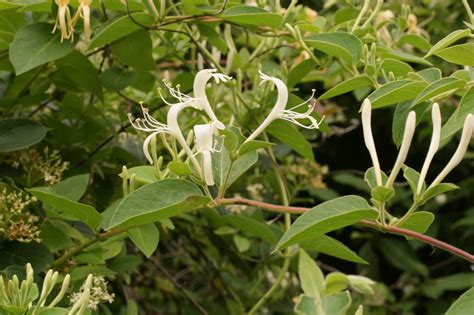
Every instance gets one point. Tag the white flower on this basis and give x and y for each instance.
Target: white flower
(434, 145)
(369, 139)
(199, 89)
(205, 146)
(63, 19)
(460, 151)
(279, 112)
(410, 125)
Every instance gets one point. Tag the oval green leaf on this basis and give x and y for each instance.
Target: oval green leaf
(347, 86)
(20, 133)
(338, 44)
(396, 92)
(440, 87)
(250, 15)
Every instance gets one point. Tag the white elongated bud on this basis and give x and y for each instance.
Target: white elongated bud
(369, 139)
(410, 125)
(434, 145)
(204, 146)
(460, 151)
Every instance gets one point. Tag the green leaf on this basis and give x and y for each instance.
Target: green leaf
(221, 163)
(382, 193)
(414, 40)
(116, 79)
(252, 227)
(459, 54)
(66, 207)
(400, 116)
(397, 67)
(400, 255)
(179, 168)
(311, 277)
(337, 304)
(34, 45)
(54, 238)
(412, 177)
(456, 121)
(437, 190)
(442, 87)
(335, 282)
(351, 84)
(419, 221)
(430, 75)
(231, 140)
(75, 71)
(135, 50)
(448, 40)
(385, 53)
(250, 15)
(156, 201)
(454, 282)
(73, 188)
(332, 247)
(253, 145)
(337, 44)
(20, 133)
(395, 92)
(306, 305)
(298, 72)
(144, 174)
(145, 237)
(10, 23)
(118, 27)
(16, 253)
(242, 243)
(292, 137)
(370, 179)
(326, 217)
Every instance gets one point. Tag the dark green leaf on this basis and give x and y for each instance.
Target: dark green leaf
(252, 227)
(332, 247)
(145, 237)
(292, 137)
(348, 85)
(15, 253)
(135, 50)
(253, 145)
(20, 133)
(115, 79)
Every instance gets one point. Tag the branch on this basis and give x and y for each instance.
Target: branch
(388, 229)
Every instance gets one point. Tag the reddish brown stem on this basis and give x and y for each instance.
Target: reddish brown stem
(389, 229)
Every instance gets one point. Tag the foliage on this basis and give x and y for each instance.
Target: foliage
(223, 191)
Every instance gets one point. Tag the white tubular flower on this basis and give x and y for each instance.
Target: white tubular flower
(410, 125)
(279, 112)
(369, 139)
(434, 145)
(199, 88)
(460, 151)
(148, 124)
(83, 11)
(63, 19)
(205, 146)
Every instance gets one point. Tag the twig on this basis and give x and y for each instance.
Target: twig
(389, 229)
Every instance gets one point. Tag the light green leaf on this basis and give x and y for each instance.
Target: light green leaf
(335, 282)
(221, 163)
(118, 27)
(456, 121)
(20, 133)
(72, 188)
(396, 92)
(298, 72)
(250, 15)
(442, 87)
(337, 304)
(242, 243)
(459, 54)
(306, 305)
(337, 44)
(252, 227)
(292, 137)
(326, 217)
(400, 116)
(311, 277)
(253, 145)
(437, 190)
(66, 207)
(34, 45)
(414, 40)
(382, 193)
(419, 221)
(145, 237)
(332, 247)
(135, 50)
(116, 79)
(448, 40)
(179, 168)
(397, 67)
(156, 201)
(430, 75)
(412, 177)
(370, 179)
(385, 52)
(348, 85)
(144, 174)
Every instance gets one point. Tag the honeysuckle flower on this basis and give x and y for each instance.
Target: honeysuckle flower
(279, 112)
(466, 135)
(83, 11)
(63, 19)
(369, 139)
(199, 89)
(434, 145)
(403, 152)
(205, 146)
